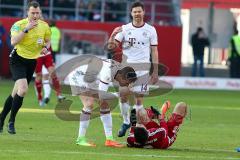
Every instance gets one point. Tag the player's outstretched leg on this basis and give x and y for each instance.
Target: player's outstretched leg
(124, 107)
(123, 130)
(176, 119)
(165, 108)
(125, 111)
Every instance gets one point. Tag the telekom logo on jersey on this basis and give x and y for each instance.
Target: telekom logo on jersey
(132, 41)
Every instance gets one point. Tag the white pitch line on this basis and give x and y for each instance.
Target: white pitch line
(31, 110)
(209, 150)
(122, 155)
(44, 110)
(51, 138)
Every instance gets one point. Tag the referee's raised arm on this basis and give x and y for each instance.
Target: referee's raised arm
(30, 38)
(31, 24)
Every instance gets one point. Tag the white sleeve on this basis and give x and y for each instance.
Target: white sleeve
(102, 90)
(103, 86)
(154, 37)
(105, 73)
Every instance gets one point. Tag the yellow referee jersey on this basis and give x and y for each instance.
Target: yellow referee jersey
(32, 43)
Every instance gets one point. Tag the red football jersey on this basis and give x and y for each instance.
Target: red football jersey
(159, 136)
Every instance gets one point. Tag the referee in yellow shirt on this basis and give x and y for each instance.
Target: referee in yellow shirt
(30, 38)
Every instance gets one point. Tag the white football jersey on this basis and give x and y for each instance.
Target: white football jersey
(136, 42)
(92, 76)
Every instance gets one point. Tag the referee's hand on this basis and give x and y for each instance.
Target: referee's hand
(31, 24)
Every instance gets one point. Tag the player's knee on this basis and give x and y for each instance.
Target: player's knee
(45, 77)
(88, 108)
(104, 104)
(38, 76)
(22, 90)
(51, 70)
(53, 75)
(87, 101)
(124, 99)
(89, 104)
(139, 99)
(180, 109)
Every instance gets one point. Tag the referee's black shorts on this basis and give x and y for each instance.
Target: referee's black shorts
(21, 67)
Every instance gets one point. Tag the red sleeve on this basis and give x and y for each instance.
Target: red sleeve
(158, 138)
(131, 142)
(130, 139)
(156, 133)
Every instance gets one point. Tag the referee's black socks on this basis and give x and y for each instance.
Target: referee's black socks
(16, 105)
(6, 109)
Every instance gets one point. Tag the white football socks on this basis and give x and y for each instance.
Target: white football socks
(84, 123)
(107, 125)
(46, 89)
(137, 107)
(124, 107)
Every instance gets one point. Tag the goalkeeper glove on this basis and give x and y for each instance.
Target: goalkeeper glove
(133, 117)
(155, 111)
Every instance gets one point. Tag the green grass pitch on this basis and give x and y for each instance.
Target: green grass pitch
(212, 133)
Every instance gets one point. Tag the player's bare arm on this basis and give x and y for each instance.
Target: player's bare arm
(16, 39)
(154, 76)
(112, 43)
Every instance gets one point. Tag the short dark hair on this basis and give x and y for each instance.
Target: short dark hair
(52, 23)
(129, 74)
(141, 135)
(236, 32)
(199, 29)
(137, 4)
(34, 4)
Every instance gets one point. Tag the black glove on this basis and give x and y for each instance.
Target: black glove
(155, 111)
(133, 117)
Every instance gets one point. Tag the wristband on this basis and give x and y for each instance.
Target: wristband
(25, 30)
(46, 47)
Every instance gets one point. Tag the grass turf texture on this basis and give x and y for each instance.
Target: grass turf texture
(213, 132)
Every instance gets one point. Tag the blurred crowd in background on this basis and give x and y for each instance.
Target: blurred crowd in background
(65, 9)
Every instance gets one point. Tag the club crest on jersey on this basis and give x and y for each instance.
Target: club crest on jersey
(129, 33)
(39, 41)
(144, 34)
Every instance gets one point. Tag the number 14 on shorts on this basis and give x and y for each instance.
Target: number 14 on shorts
(144, 87)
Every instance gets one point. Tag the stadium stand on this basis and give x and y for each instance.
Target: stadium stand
(161, 12)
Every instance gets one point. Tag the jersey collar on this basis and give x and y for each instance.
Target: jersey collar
(138, 26)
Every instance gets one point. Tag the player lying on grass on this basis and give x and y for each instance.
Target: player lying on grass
(147, 133)
(93, 79)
